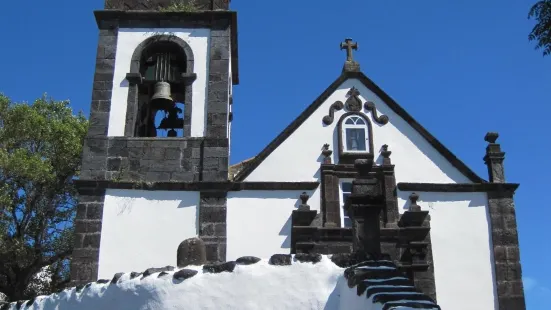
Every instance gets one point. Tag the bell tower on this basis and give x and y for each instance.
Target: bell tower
(159, 130)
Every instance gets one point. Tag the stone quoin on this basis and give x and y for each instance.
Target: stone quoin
(354, 205)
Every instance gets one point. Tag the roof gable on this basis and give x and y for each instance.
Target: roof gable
(395, 107)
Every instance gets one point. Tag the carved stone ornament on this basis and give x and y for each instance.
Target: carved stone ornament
(353, 103)
(370, 106)
(337, 106)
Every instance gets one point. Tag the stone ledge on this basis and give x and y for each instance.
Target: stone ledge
(459, 187)
(94, 186)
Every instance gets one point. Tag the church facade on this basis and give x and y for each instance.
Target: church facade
(155, 168)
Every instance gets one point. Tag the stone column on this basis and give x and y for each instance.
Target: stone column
(508, 273)
(365, 205)
(494, 158)
(391, 214)
(330, 196)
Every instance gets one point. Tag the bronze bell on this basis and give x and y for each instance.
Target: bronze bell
(162, 99)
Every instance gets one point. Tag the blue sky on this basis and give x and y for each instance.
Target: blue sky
(461, 68)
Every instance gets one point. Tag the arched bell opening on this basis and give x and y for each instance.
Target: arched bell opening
(163, 90)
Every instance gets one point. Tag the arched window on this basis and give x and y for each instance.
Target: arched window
(161, 61)
(355, 135)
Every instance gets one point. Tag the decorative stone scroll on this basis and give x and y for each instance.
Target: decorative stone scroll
(337, 106)
(370, 106)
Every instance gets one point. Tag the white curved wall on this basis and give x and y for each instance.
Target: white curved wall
(415, 159)
(127, 41)
(461, 247)
(142, 229)
(259, 222)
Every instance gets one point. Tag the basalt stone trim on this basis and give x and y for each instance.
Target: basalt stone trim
(212, 212)
(220, 267)
(184, 274)
(103, 83)
(247, 260)
(280, 260)
(308, 258)
(153, 5)
(138, 160)
(151, 271)
(224, 21)
(218, 84)
(458, 187)
(87, 226)
(506, 251)
(134, 274)
(101, 186)
(116, 277)
(448, 155)
(391, 214)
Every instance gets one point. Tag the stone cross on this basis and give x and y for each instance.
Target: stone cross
(348, 45)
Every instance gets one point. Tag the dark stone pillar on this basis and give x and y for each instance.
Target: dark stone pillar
(391, 214)
(330, 197)
(508, 271)
(84, 265)
(219, 81)
(494, 158)
(365, 205)
(212, 224)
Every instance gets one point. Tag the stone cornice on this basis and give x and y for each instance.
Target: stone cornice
(92, 185)
(458, 187)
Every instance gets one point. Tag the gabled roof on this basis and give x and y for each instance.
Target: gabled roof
(447, 154)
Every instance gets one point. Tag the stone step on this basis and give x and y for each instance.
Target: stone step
(383, 298)
(401, 281)
(357, 275)
(390, 289)
(409, 304)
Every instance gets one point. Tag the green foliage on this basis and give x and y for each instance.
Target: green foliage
(40, 150)
(180, 6)
(541, 12)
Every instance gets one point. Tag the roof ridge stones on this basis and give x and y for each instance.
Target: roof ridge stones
(380, 279)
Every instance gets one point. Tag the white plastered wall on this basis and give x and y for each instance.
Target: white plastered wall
(461, 247)
(461, 243)
(259, 222)
(142, 229)
(415, 159)
(127, 42)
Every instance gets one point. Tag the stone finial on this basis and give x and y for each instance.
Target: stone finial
(327, 153)
(494, 158)
(413, 199)
(386, 155)
(304, 199)
(364, 166)
(491, 137)
(191, 252)
(385, 152)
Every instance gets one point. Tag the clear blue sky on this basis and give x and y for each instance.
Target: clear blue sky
(461, 68)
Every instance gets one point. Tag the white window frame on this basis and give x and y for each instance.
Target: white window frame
(363, 126)
(341, 199)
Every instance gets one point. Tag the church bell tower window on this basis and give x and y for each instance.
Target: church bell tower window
(161, 95)
(354, 131)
